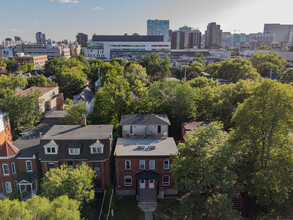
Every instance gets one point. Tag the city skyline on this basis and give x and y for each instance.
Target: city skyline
(63, 19)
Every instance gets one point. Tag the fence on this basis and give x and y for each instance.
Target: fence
(107, 203)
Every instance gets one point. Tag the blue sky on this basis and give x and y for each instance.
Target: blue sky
(63, 19)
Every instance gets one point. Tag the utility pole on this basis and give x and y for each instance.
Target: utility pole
(271, 72)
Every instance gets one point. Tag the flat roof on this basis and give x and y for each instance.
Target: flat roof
(42, 89)
(145, 147)
(128, 38)
(78, 132)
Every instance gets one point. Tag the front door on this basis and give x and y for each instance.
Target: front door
(142, 184)
(151, 184)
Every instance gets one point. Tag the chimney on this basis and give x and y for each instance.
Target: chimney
(41, 134)
(60, 102)
(83, 120)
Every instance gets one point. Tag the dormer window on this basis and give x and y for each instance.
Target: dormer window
(97, 148)
(51, 148)
(74, 151)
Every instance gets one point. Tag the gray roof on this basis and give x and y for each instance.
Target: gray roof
(78, 132)
(86, 95)
(144, 119)
(28, 177)
(128, 38)
(145, 147)
(29, 144)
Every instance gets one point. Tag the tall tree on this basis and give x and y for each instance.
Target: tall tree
(262, 135)
(203, 169)
(9, 84)
(75, 113)
(136, 71)
(288, 76)
(40, 80)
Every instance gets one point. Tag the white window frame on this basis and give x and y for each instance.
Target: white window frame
(47, 148)
(96, 147)
(3, 169)
(168, 165)
(142, 162)
(13, 169)
(127, 161)
(26, 162)
(74, 151)
(9, 184)
(154, 163)
(166, 183)
(127, 177)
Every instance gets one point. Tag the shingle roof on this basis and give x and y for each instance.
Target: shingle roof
(8, 149)
(27, 177)
(29, 144)
(144, 119)
(145, 147)
(42, 89)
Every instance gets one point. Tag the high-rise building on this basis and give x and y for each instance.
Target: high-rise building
(213, 36)
(281, 31)
(194, 39)
(158, 27)
(186, 31)
(41, 38)
(16, 38)
(226, 39)
(82, 39)
(177, 40)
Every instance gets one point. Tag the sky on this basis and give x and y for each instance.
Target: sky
(63, 19)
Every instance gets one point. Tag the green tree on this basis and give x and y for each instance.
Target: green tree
(75, 113)
(54, 66)
(71, 82)
(288, 76)
(264, 47)
(155, 66)
(204, 171)
(9, 84)
(263, 124)
(12, 66)
(212, 69)
(2, 62)
(136, 71)
(236, 69)
(26, 67)
(201, 82)
(264, 61)
(75, 183)
(23, 111)
(40, 80)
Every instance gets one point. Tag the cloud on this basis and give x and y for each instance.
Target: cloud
(16, 30)
(98, 8)
(36, 22)
(64, 1)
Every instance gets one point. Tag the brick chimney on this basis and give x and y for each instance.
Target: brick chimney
(60, 102)
(83, 120)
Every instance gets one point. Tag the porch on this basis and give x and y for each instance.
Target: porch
(27, 185)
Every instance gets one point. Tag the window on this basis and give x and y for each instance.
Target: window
(51, 165)
(152, 164)
(142, 164)
(5, 169)
(131, 129)
(97, 148)
(8, 187)
(166, 164)
(13, 168)
(15, 185)
(128, 181)
(51, 150)
(159, 129)
(166, 181)
(97, 166)
(70, 164)
(127, 165)
(74, 151)
(79, 162)
(29, 167)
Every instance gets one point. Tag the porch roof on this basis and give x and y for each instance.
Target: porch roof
(27, 177)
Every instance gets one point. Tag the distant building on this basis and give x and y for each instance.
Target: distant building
(237, 39)
(177, 40)
(51, 50)
(290, 43)
(38, 60)
(82, 39)
(226, 39)
(40, 38)
(126, 46)
(16, 38)
(213, 36)
(158, 27)
(9, 51)
(281, 31)
(75, 49)
(194, 39)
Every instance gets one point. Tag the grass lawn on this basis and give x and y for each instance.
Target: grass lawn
(126, 209)
(167, 209)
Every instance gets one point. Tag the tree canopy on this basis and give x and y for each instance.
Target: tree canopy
(288, 76)
(40, 80)
(75, 112)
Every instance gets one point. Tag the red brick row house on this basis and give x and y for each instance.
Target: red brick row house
(142, 156)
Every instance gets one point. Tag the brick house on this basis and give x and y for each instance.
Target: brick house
(74, 144)
(142, 155)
